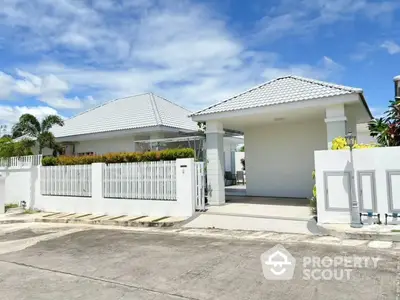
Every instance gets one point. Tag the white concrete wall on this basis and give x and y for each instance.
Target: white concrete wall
(18, 185)
(280, 158)
(183, 206)
(122, 144)
(363, 134)
(377, 160)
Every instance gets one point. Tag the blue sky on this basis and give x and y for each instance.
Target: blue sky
(66, 56)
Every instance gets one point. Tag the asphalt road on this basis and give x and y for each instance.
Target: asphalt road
(117, 264)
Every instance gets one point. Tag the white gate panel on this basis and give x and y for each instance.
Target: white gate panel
(337, 190)
(366, 191)
(200, 185)
(393, 185)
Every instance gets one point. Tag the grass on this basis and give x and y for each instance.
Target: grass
(395, 230)
(31, 211)
(10, 205)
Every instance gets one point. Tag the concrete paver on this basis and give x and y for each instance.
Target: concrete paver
(380, 244)
(148, 219)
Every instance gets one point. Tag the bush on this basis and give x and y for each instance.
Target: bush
(123, 157)
(340, 143)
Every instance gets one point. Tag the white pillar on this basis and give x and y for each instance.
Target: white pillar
(215, 163)
(185, 187)
(335, 123)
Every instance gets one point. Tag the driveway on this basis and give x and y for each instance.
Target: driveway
(85, 263)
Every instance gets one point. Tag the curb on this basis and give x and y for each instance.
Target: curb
(368, 235)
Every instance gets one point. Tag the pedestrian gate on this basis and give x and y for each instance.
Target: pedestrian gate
(200, 180)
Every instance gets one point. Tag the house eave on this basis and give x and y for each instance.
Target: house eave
(308, 103)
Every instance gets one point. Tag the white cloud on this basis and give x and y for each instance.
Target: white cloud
(322, 70)
(48, 88)
(303, 17)
(391, 47)
(184, 52)
(9, 115)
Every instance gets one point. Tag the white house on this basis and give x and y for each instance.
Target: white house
(131, 124)
(284, 121)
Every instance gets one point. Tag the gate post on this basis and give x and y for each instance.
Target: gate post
(185, 186)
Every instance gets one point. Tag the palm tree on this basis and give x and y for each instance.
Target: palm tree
(30, 126)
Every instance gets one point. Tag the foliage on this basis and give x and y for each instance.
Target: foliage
(31, 211)
(340, 143)
(123, 157)
(386, 129)
(9, 148)
(242, 149)
(30, 126)
(10, 205)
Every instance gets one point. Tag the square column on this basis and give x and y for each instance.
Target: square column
(215, 163)
(336, 123)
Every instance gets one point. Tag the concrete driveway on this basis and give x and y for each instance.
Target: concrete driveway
(84, 263)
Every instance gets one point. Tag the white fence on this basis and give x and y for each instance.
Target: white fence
(167, 189)
(66, 180)
(200, 186)
(371, 176)
(147, 180)
(21, 161)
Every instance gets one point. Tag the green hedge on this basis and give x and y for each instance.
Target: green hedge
(123, 157)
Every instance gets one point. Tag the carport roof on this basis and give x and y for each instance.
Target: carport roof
(280, 90)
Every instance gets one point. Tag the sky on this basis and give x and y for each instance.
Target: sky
(66, 56)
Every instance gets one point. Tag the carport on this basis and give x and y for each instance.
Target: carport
(284, 121)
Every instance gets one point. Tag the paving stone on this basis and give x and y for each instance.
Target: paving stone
(51, 214)
(172, 220)
(65, 215)
(380, 244)
(396, 245)
(128, 218)
(80, 216)
(354, 243)
(148, 219)
(326, 240)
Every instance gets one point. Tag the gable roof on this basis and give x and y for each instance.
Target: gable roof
(280, 90)
(140, 111)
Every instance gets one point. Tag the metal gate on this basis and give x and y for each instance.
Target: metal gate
(200, 185)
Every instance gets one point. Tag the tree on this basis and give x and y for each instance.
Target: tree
(386, 129)
(30, 126)
(9, 148)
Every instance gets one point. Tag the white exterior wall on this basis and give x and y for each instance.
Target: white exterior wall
(17, 184)
(377, 160)
(363, 135)
(183, 206)
(280, 158)
(123, 144)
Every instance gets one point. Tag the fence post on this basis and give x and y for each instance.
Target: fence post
(97, 181)
(185, 185)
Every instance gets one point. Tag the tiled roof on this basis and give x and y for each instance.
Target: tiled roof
(280, 90)
(146, 110)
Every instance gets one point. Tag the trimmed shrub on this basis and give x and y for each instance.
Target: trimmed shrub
(340, 143)
(123, 157)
